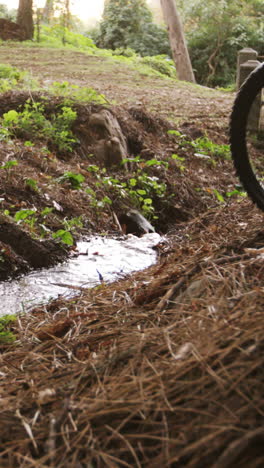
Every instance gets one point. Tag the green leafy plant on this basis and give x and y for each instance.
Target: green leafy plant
(73, 223)
(71, 91)
(216, 31)
(61, 124)
(237, 192)
(179, 161)
(10, 77)
(55, 34)
(75, 180)
(205, 146)
(31, 184)
(6, 336)
(128, 24)
(8, 166)
(218, 195)
(161, 63)
(64, 236)
(32, 122)
(27, 216)
(142, 188)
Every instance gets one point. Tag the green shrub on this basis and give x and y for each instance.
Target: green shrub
(9, 77)
(32, 123)
(216, 31)
(162, 64)
(57, 34)
(128, 24)
(125, 52)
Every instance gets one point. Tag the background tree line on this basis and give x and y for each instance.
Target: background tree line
(214, 31)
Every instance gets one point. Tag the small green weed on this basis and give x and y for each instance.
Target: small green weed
(75, 180)
(179, 161)
(63, 236)
(73, 223)
(8, 166)
(32, 123)
(6, 336)
(205, 146)
(67, 90)
(27, 216)
(142, 188)
(32, 184)
(12, 78)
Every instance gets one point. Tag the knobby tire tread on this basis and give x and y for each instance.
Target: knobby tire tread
(238, 135)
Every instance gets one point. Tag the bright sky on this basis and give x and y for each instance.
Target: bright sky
(85, 9)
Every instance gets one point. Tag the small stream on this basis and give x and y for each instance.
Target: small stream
(100, 259)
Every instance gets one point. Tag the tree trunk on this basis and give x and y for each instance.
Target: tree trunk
(179, 49)
(48, 11)
(25, 18)
(67, 14)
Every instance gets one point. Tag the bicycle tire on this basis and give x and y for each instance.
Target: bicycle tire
(238, 135)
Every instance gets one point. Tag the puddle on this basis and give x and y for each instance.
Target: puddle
(104, 259)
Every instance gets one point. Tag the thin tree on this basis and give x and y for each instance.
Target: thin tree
(178, 45)
(48, 11)
(25, 17)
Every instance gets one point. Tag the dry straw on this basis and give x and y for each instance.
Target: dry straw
(164, 368)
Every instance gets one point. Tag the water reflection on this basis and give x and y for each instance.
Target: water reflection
(106, 259)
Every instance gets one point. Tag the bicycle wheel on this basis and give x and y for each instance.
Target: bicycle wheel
(246, 145)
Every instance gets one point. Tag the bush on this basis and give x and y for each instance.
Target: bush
(128, 24)
(216, 31)
(162, 64)
(214, 65)
(10, 77)
(56, 35)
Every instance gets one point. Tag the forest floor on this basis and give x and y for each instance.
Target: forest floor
(165, 367)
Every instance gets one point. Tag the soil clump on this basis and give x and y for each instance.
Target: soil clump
(10, 31)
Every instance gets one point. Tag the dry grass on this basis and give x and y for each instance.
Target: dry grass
(164, 368)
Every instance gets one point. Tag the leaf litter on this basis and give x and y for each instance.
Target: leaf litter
(162, 368)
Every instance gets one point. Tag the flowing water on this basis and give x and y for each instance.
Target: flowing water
(100, 259)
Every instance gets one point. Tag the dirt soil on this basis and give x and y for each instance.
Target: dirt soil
(164, 368)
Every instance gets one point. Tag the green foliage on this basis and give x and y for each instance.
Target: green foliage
(6, 336)
(9, 77)
(206, 147)
(27, 216)
(162, 64)
(75, 180)
(141, 189)
(73, 223)
(31, 184)
(71, 91)
(128, 24)
(32, 123)
(216, 31)
(12, 78)
(125, 52)
(9, 14)
(63, 236)
(61, 124)
(179, 161)
(57, 34)
(8, 166)
(8, 72)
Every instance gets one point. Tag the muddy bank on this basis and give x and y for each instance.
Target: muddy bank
(37, 254)
(84, 190)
